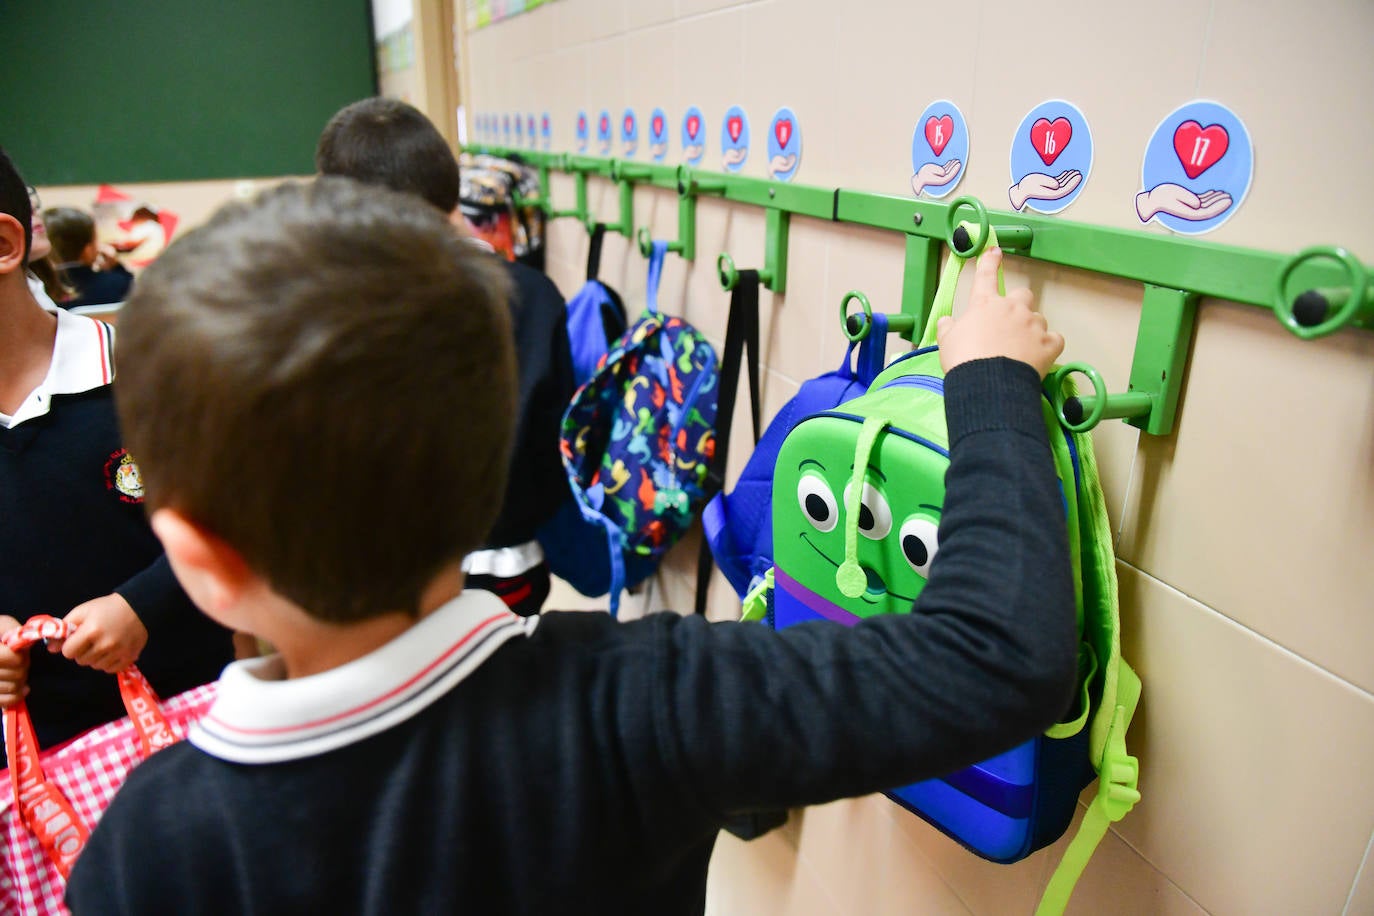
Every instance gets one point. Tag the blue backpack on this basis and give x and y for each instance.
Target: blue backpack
(738, 525)
(596, 315)
(637, 439)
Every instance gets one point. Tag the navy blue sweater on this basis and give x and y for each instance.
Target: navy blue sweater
(586, 766)
(69, 535)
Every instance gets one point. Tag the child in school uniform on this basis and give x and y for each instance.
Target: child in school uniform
(386, 142)
(74, 538)
(415, 747)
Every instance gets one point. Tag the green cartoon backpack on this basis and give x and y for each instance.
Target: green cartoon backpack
(857, 499)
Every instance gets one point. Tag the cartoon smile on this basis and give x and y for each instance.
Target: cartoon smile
(877, 588)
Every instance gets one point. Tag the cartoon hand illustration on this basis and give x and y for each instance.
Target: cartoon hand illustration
(781, 165)
(694, 152)
(658, 150)
(933, 175)
(734, 155)
(1036, 186)
(1179, 201)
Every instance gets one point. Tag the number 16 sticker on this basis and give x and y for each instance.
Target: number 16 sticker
(1051, 157)
(1197, 169)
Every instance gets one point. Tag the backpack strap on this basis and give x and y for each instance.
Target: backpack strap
(594, 250)
(1117, 771)
(850, 578)
(942, 306)
(741, 339)
(872, 350)
(657, 252)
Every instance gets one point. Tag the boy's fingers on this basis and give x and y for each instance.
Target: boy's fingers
(941, 326)
(985, 274)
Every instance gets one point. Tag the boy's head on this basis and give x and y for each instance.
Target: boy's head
(14, 199)
(387, 142)
(323, 380)
(72, 232)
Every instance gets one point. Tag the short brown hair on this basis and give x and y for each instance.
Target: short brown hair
(387, 142)
(70, 230)
(325, 379)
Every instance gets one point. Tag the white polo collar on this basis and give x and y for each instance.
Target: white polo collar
(259, 717)
(82, 359)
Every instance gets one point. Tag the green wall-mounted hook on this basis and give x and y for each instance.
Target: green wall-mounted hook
(860, 324)
(630, 171)
(774, 272)
(729, 274)
(1079, 414)
(1321, 311)
(1009, 238)
(646, 242)
(690, 183)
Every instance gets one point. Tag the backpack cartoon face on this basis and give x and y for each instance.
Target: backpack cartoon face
(894, 532)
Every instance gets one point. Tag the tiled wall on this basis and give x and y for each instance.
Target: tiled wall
(1245, 538)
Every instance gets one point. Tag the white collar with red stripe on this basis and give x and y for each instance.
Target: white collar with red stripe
(259, 717)
(82, 359)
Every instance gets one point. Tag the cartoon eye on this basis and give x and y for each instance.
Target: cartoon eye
(919, 543)
(875, 517)
(817, 502)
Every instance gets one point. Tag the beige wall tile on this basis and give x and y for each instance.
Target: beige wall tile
(690, 8)
(1232, 810)
(1299, 116)
(1361, 902)
(1262, 503)
(641, 13)
(711, 52)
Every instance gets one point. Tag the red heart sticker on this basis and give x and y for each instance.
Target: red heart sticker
(581, 125)
(545, 124)
(629, 125)
(658, 126)
(605, 124)
(782, 129)
(693, 125)
(1199, 148)
(1050, 138)
(735, 125)
(938, 132)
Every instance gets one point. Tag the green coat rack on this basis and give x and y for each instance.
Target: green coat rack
(1315, 292)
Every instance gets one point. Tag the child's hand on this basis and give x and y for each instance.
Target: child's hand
(995, 325)
(106, 635)
(14, 669)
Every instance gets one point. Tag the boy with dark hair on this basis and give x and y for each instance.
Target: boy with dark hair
(386, 142)
(417, 748)
(74, 538)
(96, 276)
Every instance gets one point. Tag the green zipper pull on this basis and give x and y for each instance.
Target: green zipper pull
(850, 578)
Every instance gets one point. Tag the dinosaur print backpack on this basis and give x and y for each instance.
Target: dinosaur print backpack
(637, 442)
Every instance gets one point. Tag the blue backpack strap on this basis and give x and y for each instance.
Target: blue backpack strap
(656, 255)
(873, 350)
(741, 336)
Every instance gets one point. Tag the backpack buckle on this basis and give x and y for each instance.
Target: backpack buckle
(1120, 774)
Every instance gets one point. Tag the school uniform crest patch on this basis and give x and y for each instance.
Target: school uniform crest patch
(122, 476)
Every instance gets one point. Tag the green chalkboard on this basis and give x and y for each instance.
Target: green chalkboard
(176, 90)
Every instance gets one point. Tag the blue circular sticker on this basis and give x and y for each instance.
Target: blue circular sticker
(784, 145)
(629, 132)
(734, 138)
(658, 135)
(1051, 157)
(546, 130)
(532, 130)
(939, 150)
(693, 136)
(603, 132)
(582, 133)
(1197, 169)
(505, 127)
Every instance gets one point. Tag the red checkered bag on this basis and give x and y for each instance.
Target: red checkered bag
(50, 800)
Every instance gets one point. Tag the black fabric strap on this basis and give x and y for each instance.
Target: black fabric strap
(594, 250)
(741, 336)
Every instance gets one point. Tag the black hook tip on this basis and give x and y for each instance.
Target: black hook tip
(962, 242)
(1310, 308)
(1073, 410)
(854, 323)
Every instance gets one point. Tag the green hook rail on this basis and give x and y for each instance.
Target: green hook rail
(1314, 293)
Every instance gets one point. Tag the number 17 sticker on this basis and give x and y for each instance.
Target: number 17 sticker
(1197, 169)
